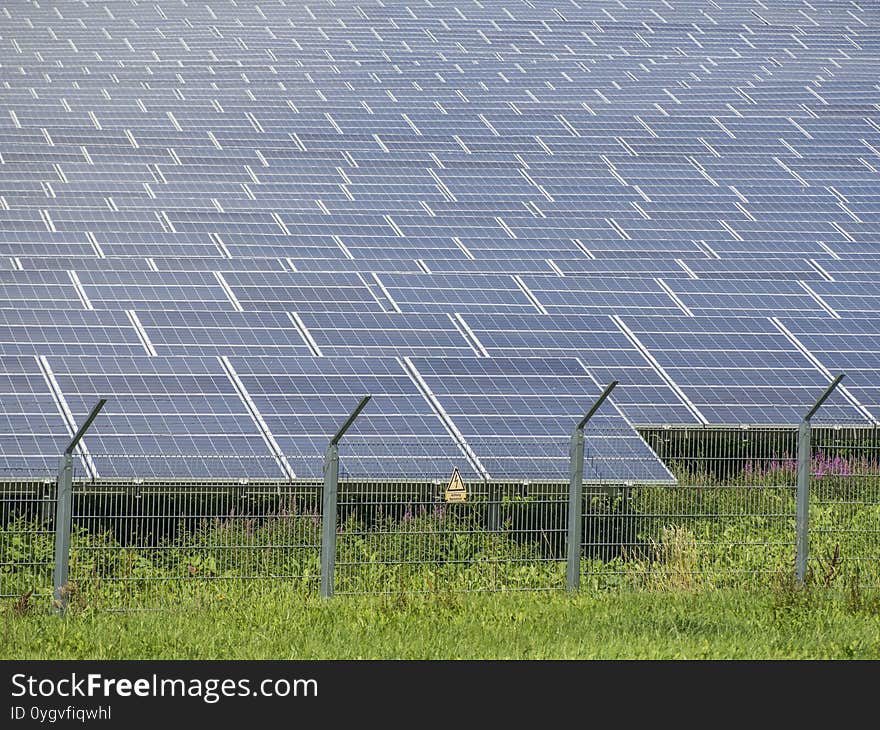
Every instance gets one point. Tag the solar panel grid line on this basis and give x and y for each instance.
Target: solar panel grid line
(468, 334)
(448, 423)
(825, 371)
(821, 302)
(632, 337)
(141, 332)
(303, 331)
(382, 288)
(257, 417)
(530, 295)
(66, 414)
(675, 298)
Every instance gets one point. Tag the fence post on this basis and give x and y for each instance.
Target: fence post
(802, 517)
(329, 503)
(64, 512)
(576, 493)
(575, 510)
(328, 519)
(64, 497)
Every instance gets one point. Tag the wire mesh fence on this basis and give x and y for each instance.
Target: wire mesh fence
(688, 537)
(152, 546)
(405, 536)
(726, 518)
(845, 505)
(27, 535)
(417, 533)
(729, 521)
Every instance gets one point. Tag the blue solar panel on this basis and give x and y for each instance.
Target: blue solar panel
(235, 219)
(261, 334)
(376, 335)
(164, 417)
(517, 413)
(737, 370)
(303, 401)
(851, 346)
(601, 347)
(67, 332)
(32, 427)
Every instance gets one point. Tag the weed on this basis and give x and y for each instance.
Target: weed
(23, 605)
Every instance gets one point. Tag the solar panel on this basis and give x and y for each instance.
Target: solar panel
(261, 334)
(451, 293)
(32, 428)
(735, 370)
(291, 291)
(761, 298)
(67, 332)
(597, 295)
(850, 346)
(517, 413)
(848, 298)
(303, 402)
(376, 335)
(165, 417)
(151, 290)
(601, 347)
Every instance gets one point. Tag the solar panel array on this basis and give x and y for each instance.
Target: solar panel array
(234, 219)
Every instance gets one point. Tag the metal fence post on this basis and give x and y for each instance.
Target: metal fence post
(576, 493)
(64, 512)
(802, 520)
(329, 504)
(328, 519)
(575, 510)
(802, 517)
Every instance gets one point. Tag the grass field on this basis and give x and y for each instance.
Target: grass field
(782, 622)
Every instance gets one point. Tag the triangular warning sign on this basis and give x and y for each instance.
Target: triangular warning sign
(455, 491)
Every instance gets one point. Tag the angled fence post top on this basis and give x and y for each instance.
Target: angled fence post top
(827, 394)
(77, 437)
(576, 493)
(595, 407)
(802, 516)
(350, 420)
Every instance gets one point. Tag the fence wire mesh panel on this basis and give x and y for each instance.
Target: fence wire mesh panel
(845, 505)
(403, 535)
(27, 535)
(143, 544)
(729, 520)
(442, 515)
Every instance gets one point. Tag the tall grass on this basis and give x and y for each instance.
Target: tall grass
(781, 622)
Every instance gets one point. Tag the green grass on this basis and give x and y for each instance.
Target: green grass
(781, 622)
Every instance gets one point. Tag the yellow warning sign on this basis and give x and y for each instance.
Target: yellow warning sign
(455, 491)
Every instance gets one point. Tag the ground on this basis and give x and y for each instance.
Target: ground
(778, 623)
